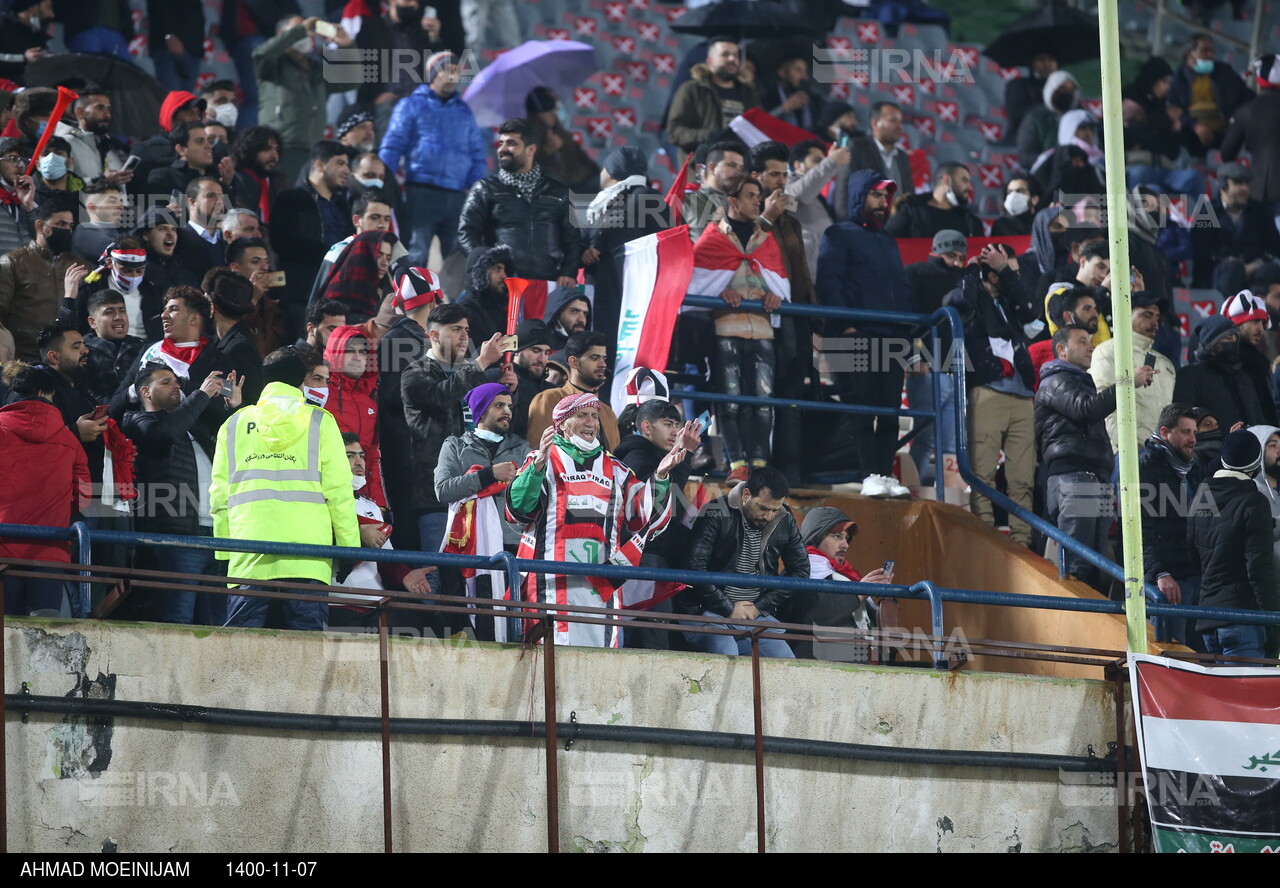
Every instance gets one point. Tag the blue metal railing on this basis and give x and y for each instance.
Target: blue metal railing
(955, 370)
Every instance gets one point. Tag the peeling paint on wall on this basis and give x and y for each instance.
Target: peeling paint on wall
(80, 746)
(48, 652)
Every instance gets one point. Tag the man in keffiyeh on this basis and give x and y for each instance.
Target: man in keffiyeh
(577, 503)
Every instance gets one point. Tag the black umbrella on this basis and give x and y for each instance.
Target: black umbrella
(1069, 34)
(135, 94)
(744, 19)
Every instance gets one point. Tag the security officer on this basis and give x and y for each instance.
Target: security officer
(280, 473)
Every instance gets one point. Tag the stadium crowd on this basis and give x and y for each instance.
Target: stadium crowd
(269, 322)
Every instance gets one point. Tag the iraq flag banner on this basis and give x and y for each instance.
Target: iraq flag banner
(1209, 743)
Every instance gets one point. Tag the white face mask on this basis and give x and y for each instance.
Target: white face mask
(371, 183)
(227, 114)
(124, 283)
(316, 396)
(582, 443)
(357, 481)
(486, 435)
(1016, 203)
(303, 46)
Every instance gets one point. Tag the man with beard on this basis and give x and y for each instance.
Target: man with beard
(1147, 308)
(63, 351)
(1021, 203)
(1268, 480)
(725, 169)
(436, 181)
(799, 104)
(1249, 314)
(568, 312)
(256, 154)
(356, 132)
(158, 232)
(112, 351)
(859, 267)
(711, 98)
(95, 153)
(587, 356)
(485, 299)
(1169, 476)
(34, 278)
(524, 209)
(323, 317)
(530, 367)
(945, 208)
(1215, 380)
(194, 159)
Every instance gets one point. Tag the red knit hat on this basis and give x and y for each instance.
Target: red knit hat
(172, 103)
(1244, 307)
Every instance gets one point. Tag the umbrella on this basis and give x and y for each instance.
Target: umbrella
(744, 19)
(135, 94)
(498, 92)
(1071, 35)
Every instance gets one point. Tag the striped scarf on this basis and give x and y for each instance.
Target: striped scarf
(523, 183)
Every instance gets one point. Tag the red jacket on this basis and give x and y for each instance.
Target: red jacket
(1041, 353)
(44, 476)
(354, 404)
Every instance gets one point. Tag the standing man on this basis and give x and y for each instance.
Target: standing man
(1231, 549)
(748, 531)
(436, 181)
(530, 366)
(1147, 307)
(859, 267)
(485, 300)
(94, 151)
(112, 351)
(255, 495)
(34, 278)
(725, 169)
(878, 151)
(522, 208)
(711, 98)
(104, 206)
(1170, 476)
(578, 503)
(587, 354)
(946, 208)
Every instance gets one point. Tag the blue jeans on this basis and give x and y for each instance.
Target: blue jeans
(187, 606)
(1181, 629)
(1238, 640)
(429, 213)
(431, 530)
(1189, 182)
(724, 644)
(32, 597)
(251, 611)
(101, 41)
(176, 72)
(242, 55)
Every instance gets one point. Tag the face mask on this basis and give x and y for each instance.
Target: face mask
(582, 443)
(409, 15)
(36, 25)
(1062, 101)
(53, 166)
(373, 184)
(124, 283)
(1059, 240)
(486, 435)
(957, 200)
(58, 239)
(317, 396)
(1016, 203)
(357, 481)
(227, 114)
(40, 127)
(1202, 66)
(303, 46)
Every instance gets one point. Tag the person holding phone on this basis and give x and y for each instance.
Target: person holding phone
(1147, 307)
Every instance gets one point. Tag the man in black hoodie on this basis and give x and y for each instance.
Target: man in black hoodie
(530, 366)
(485, 300)
(569, 312)
(1231, 549)
(1216, 380)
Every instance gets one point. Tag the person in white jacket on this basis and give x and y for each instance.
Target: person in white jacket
(1268, 478)
(1146, 309)
(810, 169)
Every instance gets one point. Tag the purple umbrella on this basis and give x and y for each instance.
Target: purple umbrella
(498, 92)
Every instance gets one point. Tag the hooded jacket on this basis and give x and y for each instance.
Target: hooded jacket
(1263, 482)
(486, 310)
(557, 299)
(44, 476)
(439, 139)
(1069, 412)
(1149, 401)
(859, 265)
(353, 403)
(253, 496)
(1038, 131)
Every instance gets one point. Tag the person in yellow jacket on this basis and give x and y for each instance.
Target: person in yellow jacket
(280, 473)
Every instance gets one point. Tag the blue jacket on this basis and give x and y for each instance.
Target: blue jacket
(439, 138)
(859, 265)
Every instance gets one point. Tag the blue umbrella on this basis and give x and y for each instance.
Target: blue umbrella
(499, 91)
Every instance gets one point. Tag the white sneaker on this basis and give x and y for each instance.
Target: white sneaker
(896, 488)
(876, 485)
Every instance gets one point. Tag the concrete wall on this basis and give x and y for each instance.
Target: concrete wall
(145, 786)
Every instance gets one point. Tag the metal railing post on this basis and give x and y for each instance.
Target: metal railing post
(549, 718)
(936, 377)
(757, 710)
(384, 654)
(84, 547)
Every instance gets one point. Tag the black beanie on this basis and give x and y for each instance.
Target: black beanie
(1241, 452)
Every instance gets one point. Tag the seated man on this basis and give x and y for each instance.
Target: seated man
(577, 503)
(748, 531)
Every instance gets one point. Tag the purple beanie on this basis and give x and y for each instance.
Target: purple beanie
(480, 397)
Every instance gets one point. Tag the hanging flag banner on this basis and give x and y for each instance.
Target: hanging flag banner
(1209, 743)
(655, 277)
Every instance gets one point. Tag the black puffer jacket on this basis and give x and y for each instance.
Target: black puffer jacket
(717, 536)
(166, 466)
(1219, 382)
(1166, 506)
(1231, 550)
(1070, 436)
(486, 308)
(541, 231)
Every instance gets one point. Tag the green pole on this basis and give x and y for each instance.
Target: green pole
(1118, 235)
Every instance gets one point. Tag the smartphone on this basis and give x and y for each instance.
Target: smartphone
(227, 390)
(430, 12)
(131, 161)
(327, 30)
(704, 422)
(511, 343)
(888, 567)
(844, 141)
(275, 279)
(1150, 361)
(99, 412)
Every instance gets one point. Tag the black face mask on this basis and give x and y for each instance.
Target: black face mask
(1062, 101)
(1226, 356)
(1059, 241)
(409, 15)
(58, 239)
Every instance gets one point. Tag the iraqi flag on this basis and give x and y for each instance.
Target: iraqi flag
(1209, 742)
(755, 125)
(655, 277)
(475, 528)
(717, 257)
